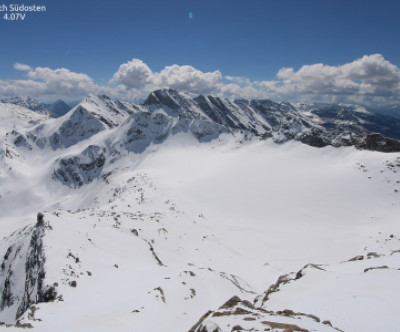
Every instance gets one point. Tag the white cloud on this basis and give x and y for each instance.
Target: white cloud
(188, 78)
(137, 75)
(46, 82)
(234, 91)
(22, 67)
(370, 75)
(134, 74)
(62, 81)
(22, 87)
(368, 80)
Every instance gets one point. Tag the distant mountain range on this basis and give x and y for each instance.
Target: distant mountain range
(390, 110)
(55, 109)
(167, 112)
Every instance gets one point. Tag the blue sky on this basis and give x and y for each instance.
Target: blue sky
(342, 51)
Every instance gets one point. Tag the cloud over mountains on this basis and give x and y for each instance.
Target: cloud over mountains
(137, 75)
(370, 80)
(368, 77)
(46, 82)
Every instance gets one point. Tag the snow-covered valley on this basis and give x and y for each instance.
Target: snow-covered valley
(158, 228)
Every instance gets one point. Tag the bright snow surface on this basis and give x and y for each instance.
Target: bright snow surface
(183, 227)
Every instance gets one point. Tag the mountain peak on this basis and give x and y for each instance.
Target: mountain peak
(59, 107)
(165, 97)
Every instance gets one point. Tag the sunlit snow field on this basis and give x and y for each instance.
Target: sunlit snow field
(224, 218)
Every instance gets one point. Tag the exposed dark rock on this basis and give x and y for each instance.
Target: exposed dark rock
(22, 275)
(356, 258)
(314, 139)
(48, 294)
(377, 142)
(81, 169)
(231, 302)
(161, 98)
(284, 279)
(40, 219)
(376, 268)
(373, 255)
(245, 317)
(195, 327)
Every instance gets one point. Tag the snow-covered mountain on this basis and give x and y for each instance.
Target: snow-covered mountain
(55, 109)
(27, 102)
(167, 112)
(184, 214)
(390, 110)
(59, 108)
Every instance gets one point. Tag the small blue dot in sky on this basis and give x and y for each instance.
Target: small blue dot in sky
(190, 15)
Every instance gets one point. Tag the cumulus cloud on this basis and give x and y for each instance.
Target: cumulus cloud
(234, 91)
(62, 81)
(371, 75)
(366, 80)
(21, 87)
(369, 80)
(137, 75)
(22, 67)
(188, 78)
(134, 74)
(47, 82)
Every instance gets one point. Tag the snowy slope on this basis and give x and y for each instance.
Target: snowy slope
(93, 115)
(162, 214)
(14, 117)
(364, 286)
(55, 109)
(27, 102)
(178, 230)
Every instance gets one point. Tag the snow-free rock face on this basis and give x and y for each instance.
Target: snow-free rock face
(377, 142)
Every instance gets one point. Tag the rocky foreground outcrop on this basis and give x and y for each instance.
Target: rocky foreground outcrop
(22, 272)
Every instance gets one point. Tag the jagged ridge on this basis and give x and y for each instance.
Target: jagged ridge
(168, 112)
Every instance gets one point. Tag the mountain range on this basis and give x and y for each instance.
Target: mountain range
(198, 214)
(55, 109)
